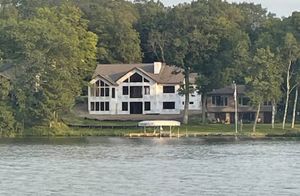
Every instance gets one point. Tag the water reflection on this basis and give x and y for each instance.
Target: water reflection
(123, 166)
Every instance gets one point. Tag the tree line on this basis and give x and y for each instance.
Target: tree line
(49, 48)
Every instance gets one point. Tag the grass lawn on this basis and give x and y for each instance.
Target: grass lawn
(195, 127)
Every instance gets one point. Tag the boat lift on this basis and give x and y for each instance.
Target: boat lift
(158, 125)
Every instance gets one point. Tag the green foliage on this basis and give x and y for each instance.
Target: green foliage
(55, 53)
(50, 48)
(265, 79)
(113, 22)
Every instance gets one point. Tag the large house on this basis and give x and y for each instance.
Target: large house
(221, 106)
(138, 89)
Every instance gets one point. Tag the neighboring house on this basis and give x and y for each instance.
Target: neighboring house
(138, 89)
(220, 106)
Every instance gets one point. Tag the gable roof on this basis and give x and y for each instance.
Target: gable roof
(167, 74)
(229, 90)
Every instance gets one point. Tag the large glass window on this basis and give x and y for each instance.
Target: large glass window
(136, 92)
(136, 78)
(169, 89)
(99, 106)
(168, 105)
(100, 89)
(219, 100)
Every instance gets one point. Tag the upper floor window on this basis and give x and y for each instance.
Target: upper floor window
(219, 100)
(136, 78)
(125, 90)
(169, 89)
(244, 101)
(267, 103)
(100, 89)
(113, 93)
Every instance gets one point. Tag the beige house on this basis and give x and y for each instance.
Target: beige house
(150, 88)
(221, 106)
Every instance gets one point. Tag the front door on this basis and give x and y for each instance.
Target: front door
(136, 107)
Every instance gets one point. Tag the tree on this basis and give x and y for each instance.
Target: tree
(290, 53)
(264, 79)
(55, 53)
(7, 120)
(112, 22)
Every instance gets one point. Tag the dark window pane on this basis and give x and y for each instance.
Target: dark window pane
(147, 106)
(169, 89)
(136, 92)
(125, 90)
(168, 105)
(106, 92)
(106, 106)
(101, 83)
(113, 92)
(136, 78)
(98, 83)
(191, 103)
(97, 106)
(124, 106)
(92, 106)
(102, 106)
(101, 92)
(126, 80)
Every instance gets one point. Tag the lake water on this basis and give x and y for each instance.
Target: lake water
(122, 166)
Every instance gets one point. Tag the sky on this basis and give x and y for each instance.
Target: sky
(279, 7)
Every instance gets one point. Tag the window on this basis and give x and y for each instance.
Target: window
(145, 80)
(100, 89)
(219, 100)
(244, 101)
(136, 92)
(125, 90)
(136, 78)
(147, 106)
(126, 80)
(168, 105)
(92, 106)
(102, 106)
(147, 90)
(106, 106)
(124, 106)
(113, 92)
(169, 89)
(191, 103)
(97, 106)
